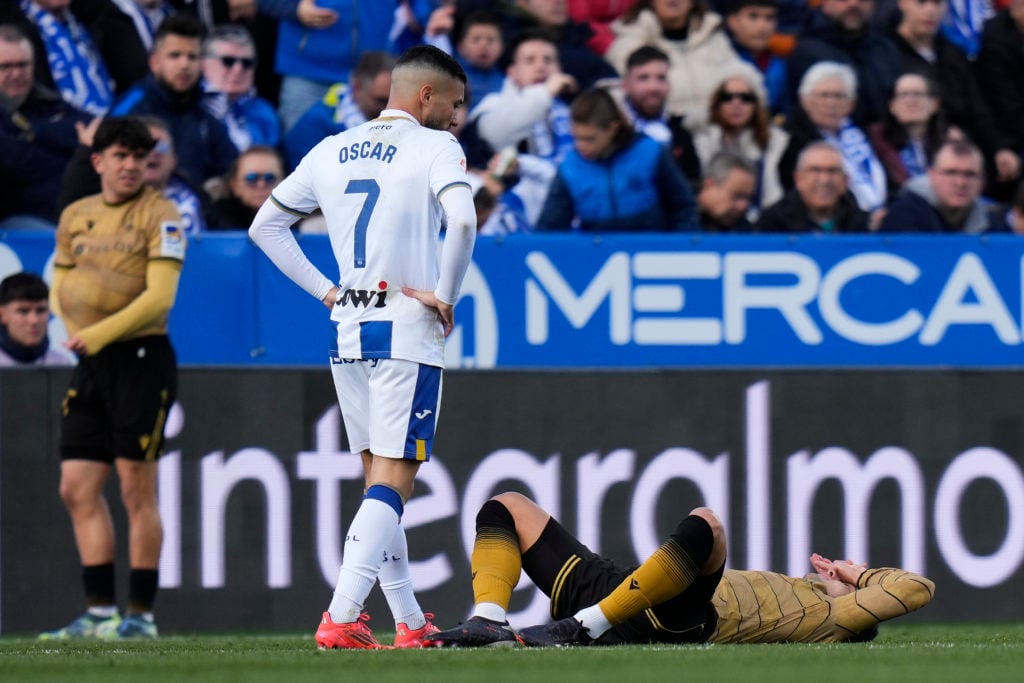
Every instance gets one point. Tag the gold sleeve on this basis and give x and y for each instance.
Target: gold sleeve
(150, 307)
(58, 279)
(882, 594)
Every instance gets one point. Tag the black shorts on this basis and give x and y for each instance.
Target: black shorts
(574, 577)
(117, 401)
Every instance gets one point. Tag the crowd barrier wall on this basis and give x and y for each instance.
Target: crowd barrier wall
(852, 395)
(615, 301)
(920, 469)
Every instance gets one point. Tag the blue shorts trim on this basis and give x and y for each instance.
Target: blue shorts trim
(419, 441)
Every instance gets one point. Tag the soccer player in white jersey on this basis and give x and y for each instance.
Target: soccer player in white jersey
(386, 188)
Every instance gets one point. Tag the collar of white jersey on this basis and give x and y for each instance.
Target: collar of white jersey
(392, 114)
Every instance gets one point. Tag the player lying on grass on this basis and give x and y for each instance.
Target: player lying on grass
(681, 594)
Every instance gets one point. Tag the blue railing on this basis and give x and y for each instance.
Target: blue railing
(564, 301)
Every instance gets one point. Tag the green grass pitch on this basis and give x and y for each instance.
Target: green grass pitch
(970, 653)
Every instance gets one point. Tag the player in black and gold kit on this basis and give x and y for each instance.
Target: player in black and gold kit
(118, 259)
(682, 593)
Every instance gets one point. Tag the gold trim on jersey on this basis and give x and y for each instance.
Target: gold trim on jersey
(658, 626)
(449, 186)
(287, 209)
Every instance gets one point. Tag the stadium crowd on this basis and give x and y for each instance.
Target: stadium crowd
(729, 115)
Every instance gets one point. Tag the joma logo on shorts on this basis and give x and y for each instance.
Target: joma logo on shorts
(363, 297)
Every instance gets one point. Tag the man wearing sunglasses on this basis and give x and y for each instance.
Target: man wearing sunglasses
(229, 70)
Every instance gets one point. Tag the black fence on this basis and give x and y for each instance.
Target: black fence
(914, 469)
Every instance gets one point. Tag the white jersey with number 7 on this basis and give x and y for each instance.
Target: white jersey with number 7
(379, 186)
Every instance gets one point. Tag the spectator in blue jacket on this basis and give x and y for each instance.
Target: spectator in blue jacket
(947, 199)
(615, 180)
(478, 47)
(229, 72)
(37, 136)
(344, 106)
(750, 25)
(319, 41)
(172, 92)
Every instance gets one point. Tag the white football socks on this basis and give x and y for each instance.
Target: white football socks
(396, 582)
(594, 620)
(371, 532)
(490, 610)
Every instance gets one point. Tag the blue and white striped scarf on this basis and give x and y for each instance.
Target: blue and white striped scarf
(347, 113)
(76, 66)
(865, 173)
(551, 137)
(188, 204)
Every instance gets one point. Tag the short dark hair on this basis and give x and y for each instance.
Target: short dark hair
(430, 57)
(645, 55)
(23, 287)
(509, 54)
(12, 33)
(479, 17)
(184, 25)
(371, 64)
(598, 107)
(127, 131)
(734, 6)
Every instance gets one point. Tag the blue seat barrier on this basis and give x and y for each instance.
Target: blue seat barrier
(650, 301)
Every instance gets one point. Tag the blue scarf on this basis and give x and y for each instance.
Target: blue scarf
(914, 159)
(865, 173)
(963, 23)
(77, 69)
(188, 205)
(551, 137)
(231, 114)
(656, 129)
(347, 113)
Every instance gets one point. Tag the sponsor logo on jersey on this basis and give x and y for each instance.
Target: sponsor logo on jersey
(363, 298)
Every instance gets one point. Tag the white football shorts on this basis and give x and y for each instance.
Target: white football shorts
(389, 405)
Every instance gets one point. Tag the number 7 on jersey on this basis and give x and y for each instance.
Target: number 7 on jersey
(371, 189)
